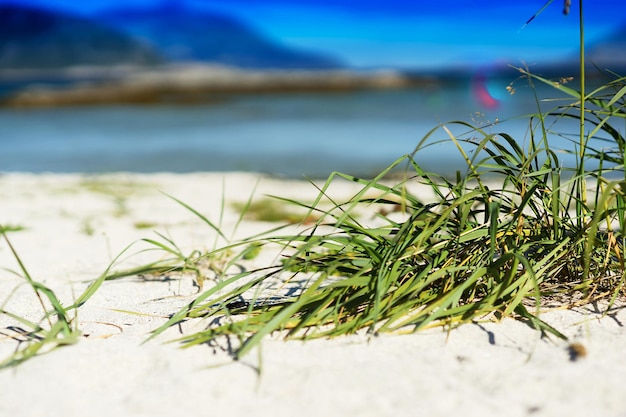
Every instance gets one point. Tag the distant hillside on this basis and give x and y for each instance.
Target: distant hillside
(610, 51)
(183, 34)
(35, 38)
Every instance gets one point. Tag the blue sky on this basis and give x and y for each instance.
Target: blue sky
(409, 34)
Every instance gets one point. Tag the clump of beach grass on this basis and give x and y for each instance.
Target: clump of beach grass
(517, 228)
(117, 189)
(57, 326)
(273, 210)
(499, 239)
(226, 253)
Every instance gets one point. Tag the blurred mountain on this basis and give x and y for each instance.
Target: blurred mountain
(182, 35)
(610, 51)
(607, 53)
(43, 39)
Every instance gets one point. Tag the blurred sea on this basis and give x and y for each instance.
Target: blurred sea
(292, 135)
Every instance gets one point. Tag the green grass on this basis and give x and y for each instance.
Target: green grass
(144, 225)
(117, 189)
(272, 210)
(56, 327)
(11, 228)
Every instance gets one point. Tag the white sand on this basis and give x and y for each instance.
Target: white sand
(73, 232)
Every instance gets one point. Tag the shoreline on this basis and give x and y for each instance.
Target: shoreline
(189, 84)
(73, 225)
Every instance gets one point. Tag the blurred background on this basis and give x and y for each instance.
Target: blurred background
(277, 86)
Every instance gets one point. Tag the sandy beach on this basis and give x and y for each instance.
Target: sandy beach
(68, 228)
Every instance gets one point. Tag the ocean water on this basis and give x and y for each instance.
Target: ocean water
(292, 135)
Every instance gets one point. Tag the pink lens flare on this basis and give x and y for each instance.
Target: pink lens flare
(488, 87)
(481, 92)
